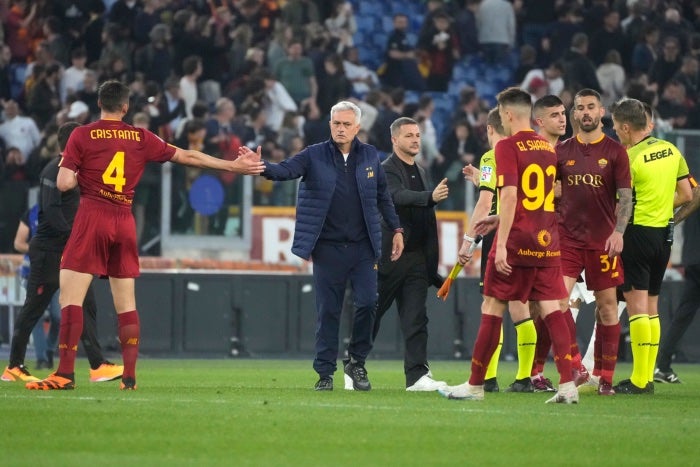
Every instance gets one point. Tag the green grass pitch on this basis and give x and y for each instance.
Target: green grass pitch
(264, 412)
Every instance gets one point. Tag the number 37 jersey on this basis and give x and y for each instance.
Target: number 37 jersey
(527, 161)
(109, 157)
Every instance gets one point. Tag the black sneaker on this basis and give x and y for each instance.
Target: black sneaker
(356, 377)
(521, 385)
(325, 383)
(628, 387)
(491, 385)
(666, 376)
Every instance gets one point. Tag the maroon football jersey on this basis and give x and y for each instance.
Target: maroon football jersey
(527, 161)
(109, 157)
(590, 176)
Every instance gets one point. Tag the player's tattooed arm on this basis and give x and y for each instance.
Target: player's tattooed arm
(688, 208)
(624, 208)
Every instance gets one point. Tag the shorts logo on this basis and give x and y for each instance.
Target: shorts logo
(602, 163)
(544, 238)
(570, 163)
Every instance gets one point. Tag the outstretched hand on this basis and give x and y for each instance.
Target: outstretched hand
(249, 162)
(472, 174)
(441, 191)
(486, 225)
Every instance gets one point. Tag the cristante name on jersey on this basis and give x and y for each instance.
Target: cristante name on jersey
(534, 145)
(653, 156)
(130, 135)
(593, 180)
(539, 254)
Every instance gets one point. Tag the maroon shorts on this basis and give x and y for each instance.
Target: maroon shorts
(602, 272)
(103, 241)
(524, 283)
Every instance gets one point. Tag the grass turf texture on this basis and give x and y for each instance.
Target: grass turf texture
(264, 412)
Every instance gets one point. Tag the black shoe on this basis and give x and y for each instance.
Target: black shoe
(324, 384)
(49, 358)
(356, 377)
(628, 387)
(666, 376)
(43, 364)
(521, 385)
(491, 385)
(650, 387)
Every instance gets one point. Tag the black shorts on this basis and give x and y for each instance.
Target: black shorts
(645, 255)
(486, 243)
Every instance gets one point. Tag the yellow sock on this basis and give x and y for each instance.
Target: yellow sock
(492, 369)
(527, 338)
(655, 328)
(640, 338)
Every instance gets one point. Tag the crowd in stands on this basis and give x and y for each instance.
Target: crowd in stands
(218, 74)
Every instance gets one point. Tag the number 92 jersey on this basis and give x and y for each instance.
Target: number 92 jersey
(528, 162)
(109, 157)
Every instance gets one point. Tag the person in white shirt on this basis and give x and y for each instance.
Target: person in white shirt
(552, 75)
(362, 78)
(74, 75)
(19, 131)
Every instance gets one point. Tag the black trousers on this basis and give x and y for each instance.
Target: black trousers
(406, 282)
(683, 316)
(42, 283)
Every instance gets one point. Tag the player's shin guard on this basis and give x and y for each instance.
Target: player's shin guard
(68, 336)
(492, 369)
(486, 342)
(544, 342)
(129, 334)
(655, 337)
(609, 336)
(640, 340)
(527, 340)
(559, 332)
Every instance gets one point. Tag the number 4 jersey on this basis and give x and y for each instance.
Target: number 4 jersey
(109, 157)
(528, 162)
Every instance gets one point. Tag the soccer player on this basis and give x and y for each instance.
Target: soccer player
(56, 213)
(486, 204)
(594, 208)
(106, 159)
(660, 184)
(525, 262)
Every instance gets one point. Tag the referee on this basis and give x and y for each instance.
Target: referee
(660, 184)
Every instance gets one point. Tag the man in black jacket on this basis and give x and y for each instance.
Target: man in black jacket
(56, 213)
(407, 279)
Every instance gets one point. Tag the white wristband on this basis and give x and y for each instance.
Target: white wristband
(468, 238)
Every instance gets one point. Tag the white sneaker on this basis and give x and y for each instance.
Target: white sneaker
(565, 395)
(427, 384)
(593, 381)
(463, 392)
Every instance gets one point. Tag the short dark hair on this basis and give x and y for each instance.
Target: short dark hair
(587, 92)
(493, 119)
(64, 132)
(514, 96)
(112, 94)
(631, 112)
(399, 122)
(189, 64)
(546, 102)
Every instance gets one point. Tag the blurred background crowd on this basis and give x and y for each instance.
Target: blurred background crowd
(215, 75)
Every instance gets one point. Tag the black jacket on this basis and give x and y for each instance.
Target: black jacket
(404, 199)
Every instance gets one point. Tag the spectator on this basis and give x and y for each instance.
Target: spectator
(496, 29)
(442, 48)
(296, 73)
(89, 92)
(579, 70)
(392, 108)
(688, 76)
(401, 66)
(667, 65)
(79, 112)
(526, 63)
(74, 76)
(18, 24)
(551, 77)
(674, 105)
(341, 25)
(145, 20)
(298, 13)
(58, 44)
(644, 53)
(536, 18)
(465, 24)
(459, 149)
(172, 110)
(155, 59)
(123, 13)
(45, 100)
(362, 78)
(6, 84)
(561, 32)
(334, 87)
(115, 47)
(92, 37)
(608, 37)
(612, 79)
(277, 100)
(674, 25)
(192, 70)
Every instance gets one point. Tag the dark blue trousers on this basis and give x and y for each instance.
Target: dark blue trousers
(333, 265)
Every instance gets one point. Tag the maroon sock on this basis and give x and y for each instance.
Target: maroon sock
(68, 337)
(129, 333)
(559, 332)
(544, 342)
(610, 343)
(486, 342)
(571, 325)
(598, 349)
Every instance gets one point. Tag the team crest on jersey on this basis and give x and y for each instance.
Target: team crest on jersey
(486, 173)
(602, 163)
(544, 238)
